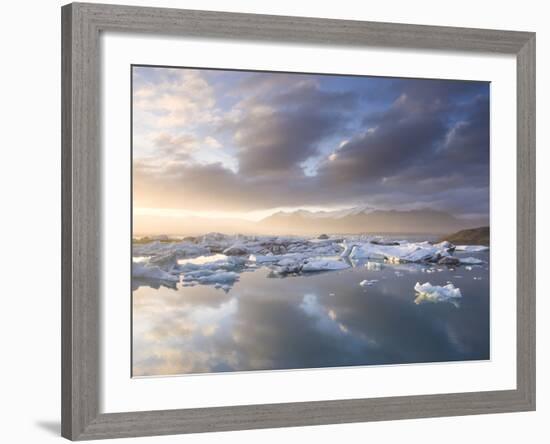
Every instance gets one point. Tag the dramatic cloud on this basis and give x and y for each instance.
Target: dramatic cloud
(207, 140)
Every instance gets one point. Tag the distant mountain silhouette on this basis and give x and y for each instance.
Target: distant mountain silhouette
(360, 219)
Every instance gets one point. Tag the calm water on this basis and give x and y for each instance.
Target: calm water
(321, 320)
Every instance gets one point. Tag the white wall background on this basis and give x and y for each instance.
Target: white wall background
(30, 221)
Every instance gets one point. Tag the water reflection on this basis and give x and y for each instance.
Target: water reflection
(319, 320)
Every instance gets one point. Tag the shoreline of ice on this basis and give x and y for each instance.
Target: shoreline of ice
(220, 259)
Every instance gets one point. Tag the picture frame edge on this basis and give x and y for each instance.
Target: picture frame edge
(81, 246)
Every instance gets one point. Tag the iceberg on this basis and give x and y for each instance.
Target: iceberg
(325, 265)
(404, 252)
(236, 250)
(434, 293)
(152, 272)
(367, 283)
(222, 277)
(373, 266)
(262, 259)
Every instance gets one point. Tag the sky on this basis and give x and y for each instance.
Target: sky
(246, 144)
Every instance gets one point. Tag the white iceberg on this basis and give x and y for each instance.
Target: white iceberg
(405, 252)
(263, 259)
(373, 266)
(434, 293)
(367, 283)
(324, 265)
(152, 272)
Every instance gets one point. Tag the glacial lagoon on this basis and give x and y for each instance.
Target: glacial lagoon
(260, 310)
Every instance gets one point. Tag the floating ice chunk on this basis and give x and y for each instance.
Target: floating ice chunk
(373, 266)
(324, 265)
(153, 272)
(407, 252)
(471, 260)
(468, 267)
(434, 293)
(367, 283)
(286, 262)
(197, 274)
(222, 277)
(348, 248)
(261, 259)
(164, 260)
(236, 250)
(189, 266)
(288, 265)
(448, 260)
(445, 245)
(471, 248)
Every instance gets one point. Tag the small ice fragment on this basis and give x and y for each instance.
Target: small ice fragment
(373, 266)
(434, 293)
(471, 248)
(469, 268)
(367, 283)
(471, 260)
(260, 259)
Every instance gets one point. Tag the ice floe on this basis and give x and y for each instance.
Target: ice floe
(471, 260)
(325, 265)
(367, 283)
(435, 293)
(217, 259)
(471, 248)
(153, 272)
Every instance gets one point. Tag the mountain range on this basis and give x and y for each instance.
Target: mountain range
(366, 220)
(360, 219)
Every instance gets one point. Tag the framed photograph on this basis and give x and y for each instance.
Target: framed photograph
(278, 221)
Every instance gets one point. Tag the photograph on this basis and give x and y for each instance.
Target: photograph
(291, 221)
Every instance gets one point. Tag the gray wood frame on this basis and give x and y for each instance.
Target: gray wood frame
(81, 232)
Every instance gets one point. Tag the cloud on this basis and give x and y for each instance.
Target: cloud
(250, 141)
(165, 98)
(283, 124)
